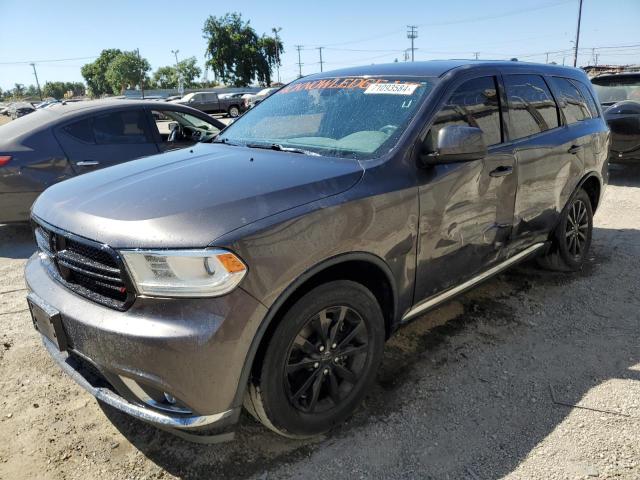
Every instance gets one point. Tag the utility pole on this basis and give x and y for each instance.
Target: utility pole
(412, 34)
(547, 58)
(37, 81)
(320, 50)
(275, 34)
(299, 47)
(141, 75)
(180, 85)
(476, 55)
(575, 52)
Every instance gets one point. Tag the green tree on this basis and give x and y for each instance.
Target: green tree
(169, 76)
(31, 91)
(165, 77)
(95, 73)
(235, 52)
(54, 89)
(18, 90)
(126, 70)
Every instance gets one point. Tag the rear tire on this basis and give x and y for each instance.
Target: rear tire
(571, 240)
(321, 359)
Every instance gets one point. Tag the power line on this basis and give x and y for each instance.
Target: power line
(28, 62)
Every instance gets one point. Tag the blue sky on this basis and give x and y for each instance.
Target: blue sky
(352, 32)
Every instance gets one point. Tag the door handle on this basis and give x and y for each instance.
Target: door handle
(88, 163)
(575, 149)
(501, 171)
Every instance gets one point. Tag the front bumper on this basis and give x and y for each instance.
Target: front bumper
(192, 349)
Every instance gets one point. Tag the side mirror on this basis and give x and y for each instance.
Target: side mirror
(454, 143)
(172, 126)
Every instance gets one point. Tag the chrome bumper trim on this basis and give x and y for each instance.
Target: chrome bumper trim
(116, 401)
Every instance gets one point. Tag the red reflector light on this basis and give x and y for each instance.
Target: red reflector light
(4, 159)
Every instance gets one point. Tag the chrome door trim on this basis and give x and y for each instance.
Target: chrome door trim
(446, 295)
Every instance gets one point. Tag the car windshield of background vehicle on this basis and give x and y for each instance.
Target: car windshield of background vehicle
(359, 118)
(616, 90)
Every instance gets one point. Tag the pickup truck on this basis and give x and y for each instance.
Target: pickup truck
(210, 102)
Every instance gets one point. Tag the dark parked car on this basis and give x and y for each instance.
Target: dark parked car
(270, 266)
(209, 102)
(62, 141)
(619, 95)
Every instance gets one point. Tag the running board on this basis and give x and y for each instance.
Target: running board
(443, 297)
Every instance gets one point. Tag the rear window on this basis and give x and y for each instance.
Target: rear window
(532, 108)
(573, 105)
(121, 128)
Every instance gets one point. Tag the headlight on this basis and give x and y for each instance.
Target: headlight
(184, 273)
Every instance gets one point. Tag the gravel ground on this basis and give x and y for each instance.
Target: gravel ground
(531, 375)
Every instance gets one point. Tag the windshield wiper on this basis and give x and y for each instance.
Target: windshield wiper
(280, 148)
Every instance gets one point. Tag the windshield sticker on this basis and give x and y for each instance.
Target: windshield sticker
(351, 84)
(391, 88)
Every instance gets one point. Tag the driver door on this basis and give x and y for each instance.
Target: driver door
(466, 208)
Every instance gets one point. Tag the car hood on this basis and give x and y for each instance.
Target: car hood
(190, 197)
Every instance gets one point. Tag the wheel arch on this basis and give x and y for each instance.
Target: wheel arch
(591, 184)
(363, 267)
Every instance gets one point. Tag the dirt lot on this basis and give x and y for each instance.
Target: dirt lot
(4, 119)
(532, 375)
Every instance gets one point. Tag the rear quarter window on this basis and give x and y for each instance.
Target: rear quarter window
(572, 103)
(81, 130)
(588, 96)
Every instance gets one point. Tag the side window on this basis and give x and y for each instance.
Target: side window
(586, 93)
(475, 103)
(81, 130)
(531, 106)
(121, 128)
(573, 105)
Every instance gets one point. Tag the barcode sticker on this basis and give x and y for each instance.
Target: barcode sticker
(391, 88)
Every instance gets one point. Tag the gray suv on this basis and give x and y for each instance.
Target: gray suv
(268, 267)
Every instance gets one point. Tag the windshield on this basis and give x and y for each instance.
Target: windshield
(613, 90)
(358, 118)
(188, 96)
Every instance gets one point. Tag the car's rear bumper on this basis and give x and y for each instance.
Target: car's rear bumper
(193, 350)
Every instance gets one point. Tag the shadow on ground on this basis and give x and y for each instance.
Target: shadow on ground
(471, 380)
(16, 241)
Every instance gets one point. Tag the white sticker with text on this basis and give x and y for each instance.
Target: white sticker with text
(392, 88)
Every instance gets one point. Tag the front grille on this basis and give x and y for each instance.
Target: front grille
(88, 268)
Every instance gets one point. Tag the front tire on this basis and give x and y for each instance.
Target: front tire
(234, 111)
(320, 361)
(572, 239)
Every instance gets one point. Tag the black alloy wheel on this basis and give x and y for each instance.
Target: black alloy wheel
(326, 359)
(577, 228)
(319, 361)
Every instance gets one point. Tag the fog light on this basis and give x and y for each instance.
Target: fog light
(169, 398)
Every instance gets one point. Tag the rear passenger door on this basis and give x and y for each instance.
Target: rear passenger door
(549, 155)
(543, 164)
(106, 139)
